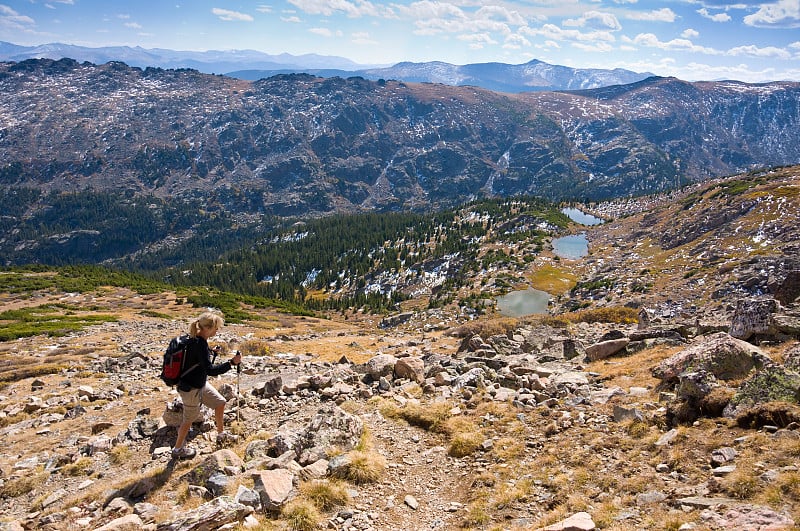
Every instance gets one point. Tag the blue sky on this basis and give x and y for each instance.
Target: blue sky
(690, 39)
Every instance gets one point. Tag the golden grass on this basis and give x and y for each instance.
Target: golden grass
(552, 280)
(325, 494)
(431, 417)
(486, 327)
(301, 515)
(77, 468)
(365, 467)
(23, 485)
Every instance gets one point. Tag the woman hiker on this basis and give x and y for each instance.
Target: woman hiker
(194, 388)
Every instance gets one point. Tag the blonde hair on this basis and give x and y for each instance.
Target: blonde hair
(206, 320)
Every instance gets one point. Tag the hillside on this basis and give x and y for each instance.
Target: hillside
(445, 420)
(298, 145)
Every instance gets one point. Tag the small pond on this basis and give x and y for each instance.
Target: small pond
(523, 302)
(579, 216)
(571, 247)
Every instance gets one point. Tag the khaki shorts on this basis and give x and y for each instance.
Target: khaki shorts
(207, 396)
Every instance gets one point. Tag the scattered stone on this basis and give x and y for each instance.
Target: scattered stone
(129, 522)
(577, 522)
(411, 501)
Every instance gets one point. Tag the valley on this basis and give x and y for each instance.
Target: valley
(469, 419)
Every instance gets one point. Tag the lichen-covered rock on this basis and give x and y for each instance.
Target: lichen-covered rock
(753, 317)
(721, 355)
(772, 384)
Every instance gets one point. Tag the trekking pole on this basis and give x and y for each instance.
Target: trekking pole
(238, 391)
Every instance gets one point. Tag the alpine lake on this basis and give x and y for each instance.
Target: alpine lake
(573, 247)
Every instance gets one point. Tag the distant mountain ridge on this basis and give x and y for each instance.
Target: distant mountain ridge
(253, 65)
(299, 145)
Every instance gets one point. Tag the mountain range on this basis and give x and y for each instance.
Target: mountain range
(301, 145)
(254, 65)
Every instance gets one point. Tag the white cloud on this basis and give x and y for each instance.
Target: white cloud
(719, 17)
(264, 9)
(690, 33)
(553, 32)
(292, 19)
(502, 14)
(595, 20)
(516, 42)
(601, 47)
(12, 19)
(659, 15)
(231, 16)
(781, 14)
(651, 41)
(362, 38)
(755, 51)
(133, 25)
(325, 32)
(359, 8)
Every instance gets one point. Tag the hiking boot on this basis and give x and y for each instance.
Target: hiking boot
(226, 437)
(187, 452)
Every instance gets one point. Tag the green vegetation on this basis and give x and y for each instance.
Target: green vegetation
(54, 320)
(260, 261)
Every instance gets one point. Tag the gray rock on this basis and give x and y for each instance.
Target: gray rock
(248, 497)
(753, 317)
(130, 522)
(725, 357)
(606, 349)
(380, 365)
(211, 515)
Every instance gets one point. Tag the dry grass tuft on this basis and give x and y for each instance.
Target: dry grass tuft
(77, 468)
(431, 417)
(120, 454)
(486, 328)
(254, 348)
(741, 484)
(465, 443)
(301, 515)
(22, 485)
(325, 494)
(365, 467)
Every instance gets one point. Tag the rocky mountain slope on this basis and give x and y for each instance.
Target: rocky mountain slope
(298, 145)
(667, 399)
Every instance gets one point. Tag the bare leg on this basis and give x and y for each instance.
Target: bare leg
(219, 416)
(183, 431)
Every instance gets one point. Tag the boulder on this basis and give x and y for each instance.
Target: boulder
(275, 487)
(774, 383)
(380, 365)
(753, 317)
(721, 355)
(220, 462)
(218, 512)
(333, 427)
(411, 368)
(605, 349)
